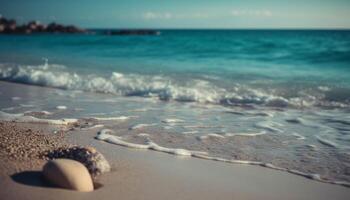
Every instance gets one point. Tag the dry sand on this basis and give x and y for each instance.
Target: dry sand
(23, 146)
(142, 174)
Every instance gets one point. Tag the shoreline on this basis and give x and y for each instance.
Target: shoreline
(130, 127)
(106, 135)
(142, 174)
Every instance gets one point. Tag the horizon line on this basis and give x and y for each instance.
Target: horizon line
(153, 28)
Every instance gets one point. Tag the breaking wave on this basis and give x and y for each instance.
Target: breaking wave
(161, 87)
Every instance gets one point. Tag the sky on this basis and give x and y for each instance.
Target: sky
(209, 14)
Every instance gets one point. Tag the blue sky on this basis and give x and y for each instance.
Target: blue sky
(183, 13)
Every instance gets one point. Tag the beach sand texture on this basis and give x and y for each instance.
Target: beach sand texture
(143, 174)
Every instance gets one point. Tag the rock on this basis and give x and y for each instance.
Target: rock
(58, 28)
(33, 25)
(93, 160)
(68, 174)
(9, 26)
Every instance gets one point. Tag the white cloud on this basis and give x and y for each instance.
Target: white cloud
(168, 15)
(153, 15)
(150, 15)
(261, 13)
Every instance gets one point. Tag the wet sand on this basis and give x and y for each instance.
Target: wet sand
(143, 174)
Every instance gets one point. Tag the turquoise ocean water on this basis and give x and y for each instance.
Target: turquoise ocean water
(227, 67)
(276, 96)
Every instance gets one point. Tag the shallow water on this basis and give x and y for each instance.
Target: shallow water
(276, 98)
(312, 141)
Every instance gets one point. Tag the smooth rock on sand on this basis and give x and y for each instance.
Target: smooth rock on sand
(68, 174)
(93, 160)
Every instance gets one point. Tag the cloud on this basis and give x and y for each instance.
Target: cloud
(153, 15)
(202, 15)
(260, 13)
(168, 15)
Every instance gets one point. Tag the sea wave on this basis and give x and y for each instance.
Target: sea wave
(161, 87)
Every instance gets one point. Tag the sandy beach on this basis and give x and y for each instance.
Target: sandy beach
(214, 112)
(144, 174)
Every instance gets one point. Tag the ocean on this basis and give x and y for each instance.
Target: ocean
(276, 98)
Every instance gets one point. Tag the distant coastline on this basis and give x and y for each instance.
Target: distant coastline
(10, 26)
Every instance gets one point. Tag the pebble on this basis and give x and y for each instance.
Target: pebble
(68, 174)
(93, 160)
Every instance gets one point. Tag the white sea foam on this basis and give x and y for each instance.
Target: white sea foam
(203, 126)
(43, 112)
(298, 136)
(61, 107)
(21, 118)
(100, 113)
(189, 132)
(311, 147)
(324, 88)
(170, 121)
(120, 118)
(268, 125)
(168, 127)
(245, 134)
(104, 136)
(140, 126)
(210, 136)
(326, 142)
(93, 127)
(164, 88)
